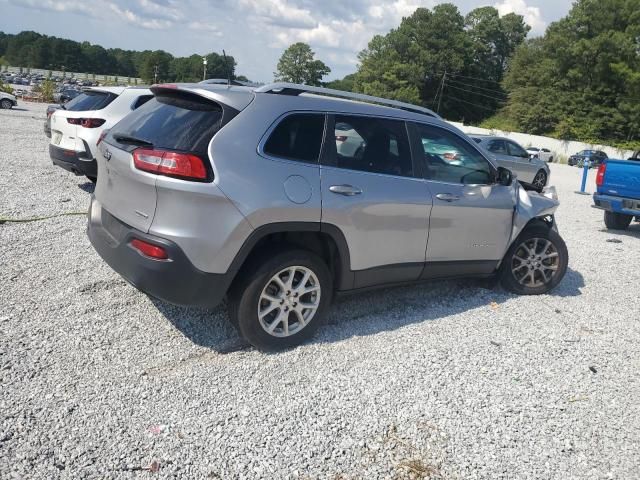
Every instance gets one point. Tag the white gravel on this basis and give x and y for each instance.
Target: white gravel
(451, 379)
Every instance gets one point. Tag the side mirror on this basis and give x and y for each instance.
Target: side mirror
(505, 177)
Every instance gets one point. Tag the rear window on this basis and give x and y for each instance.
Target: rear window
(173, 121)
(90, 100)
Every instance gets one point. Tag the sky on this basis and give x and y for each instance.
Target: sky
(255, 32)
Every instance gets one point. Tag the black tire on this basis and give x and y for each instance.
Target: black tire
(6, 104)
(550, 159)
(540, 180)
(617, 221)
(92, 179)
(511, 261)
(245, 298)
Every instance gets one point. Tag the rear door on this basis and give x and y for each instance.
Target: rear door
(472, 215)
(372, 195)
(172, 121)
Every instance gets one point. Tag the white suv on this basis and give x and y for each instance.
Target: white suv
(77, 126)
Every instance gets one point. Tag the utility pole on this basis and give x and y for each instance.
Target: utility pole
(204, 68)
(155, 73)
(444, 76)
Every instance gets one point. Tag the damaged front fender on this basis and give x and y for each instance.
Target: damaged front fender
(531, 205)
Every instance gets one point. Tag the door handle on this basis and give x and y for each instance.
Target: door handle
(348, 190)
(447, 197)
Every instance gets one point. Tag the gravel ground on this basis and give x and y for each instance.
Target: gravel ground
(447, 380)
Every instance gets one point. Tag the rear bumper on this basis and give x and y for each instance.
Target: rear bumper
(71, 161)
(627, 206)
(175, 280)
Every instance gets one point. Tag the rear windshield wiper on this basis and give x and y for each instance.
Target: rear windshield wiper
(132, 140)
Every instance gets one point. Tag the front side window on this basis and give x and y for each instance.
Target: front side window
(516, 150)
(371, 144)
(297, 137)
(448, 158)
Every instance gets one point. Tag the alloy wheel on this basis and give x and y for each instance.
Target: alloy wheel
(535, 262)
(289, 301)
(540, 180)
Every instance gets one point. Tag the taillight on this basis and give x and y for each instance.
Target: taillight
(87, 122)
(602, 168)
(149, 249)
(173, 164)
(341, 138)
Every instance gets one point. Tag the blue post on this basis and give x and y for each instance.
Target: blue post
(585, 173)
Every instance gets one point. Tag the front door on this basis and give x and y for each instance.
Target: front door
(472, 215)
(370, 192)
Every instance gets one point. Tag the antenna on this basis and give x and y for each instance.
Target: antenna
(228, 69)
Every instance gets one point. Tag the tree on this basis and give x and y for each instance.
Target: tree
(297, 65)
(345, 84)
(582, 79)
(435, 58)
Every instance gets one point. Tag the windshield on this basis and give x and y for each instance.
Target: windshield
(587, 152)
(90, 100)
(533, 149)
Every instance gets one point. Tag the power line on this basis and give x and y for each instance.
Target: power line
(476, 86)
(470, 103)
(478, 93)
(474, 78)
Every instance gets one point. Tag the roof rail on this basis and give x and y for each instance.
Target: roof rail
(295, 89)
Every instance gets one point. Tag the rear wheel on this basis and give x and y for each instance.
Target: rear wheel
(280, 303)
(536, 262)
(617, 221)
(6, 104)
(540, 180)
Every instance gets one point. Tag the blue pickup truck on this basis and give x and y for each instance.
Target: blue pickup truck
(618, 192)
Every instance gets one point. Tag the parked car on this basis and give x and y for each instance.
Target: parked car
(595, 158)
(618, 191)
(530, 171)
(66, 95)
(76, 127)
(210, 190)
(541, 153)
(47, 122)
(8, 100)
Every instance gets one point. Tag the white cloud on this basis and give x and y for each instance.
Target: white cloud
(138, 20)
(281, 13)
(69, 6)
(532, 15)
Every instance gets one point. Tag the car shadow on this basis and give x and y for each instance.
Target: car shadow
(362, 314)
(632, 231)
(88, 187)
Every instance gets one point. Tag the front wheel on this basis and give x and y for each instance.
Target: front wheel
(540, 180)
(536, 262)
(6, 104)
(617, 221)
(280, 302)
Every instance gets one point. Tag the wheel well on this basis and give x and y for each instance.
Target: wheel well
(320, 243)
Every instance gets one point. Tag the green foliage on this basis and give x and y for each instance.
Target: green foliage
(345, 84)
(6, 88)
(409, 63)
(33, 50)
(581, 81)
(298, 65)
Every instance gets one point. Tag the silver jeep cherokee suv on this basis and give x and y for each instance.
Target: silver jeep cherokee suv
(209, 191)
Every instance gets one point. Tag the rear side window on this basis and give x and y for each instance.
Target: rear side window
(90, 100)
(173, 121)
(497, 146)
(370, 144)
(297, 137)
